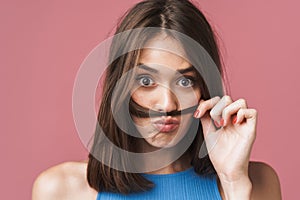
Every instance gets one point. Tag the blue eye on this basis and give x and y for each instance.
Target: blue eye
(145, 81)
(185, 82)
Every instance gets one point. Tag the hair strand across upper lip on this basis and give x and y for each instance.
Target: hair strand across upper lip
(142, 112)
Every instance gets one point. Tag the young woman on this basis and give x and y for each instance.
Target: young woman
(161, 94)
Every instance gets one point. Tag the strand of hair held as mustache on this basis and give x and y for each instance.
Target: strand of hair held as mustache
(142, 112)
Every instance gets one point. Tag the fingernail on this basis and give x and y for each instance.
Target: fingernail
(222, 122)
(234, 119)
(217, 124)
(196, 113)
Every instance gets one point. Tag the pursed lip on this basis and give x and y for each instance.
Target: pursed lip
(166, 125)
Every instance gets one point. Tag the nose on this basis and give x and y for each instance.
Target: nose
(166, 100)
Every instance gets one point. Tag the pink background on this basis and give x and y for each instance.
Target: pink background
(44, 42)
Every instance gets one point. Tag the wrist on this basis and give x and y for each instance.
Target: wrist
(239, 189)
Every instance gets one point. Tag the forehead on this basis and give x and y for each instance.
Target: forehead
(164, 51)
(153, 57)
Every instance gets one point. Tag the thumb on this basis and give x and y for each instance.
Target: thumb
(207, 125)
(210, 135)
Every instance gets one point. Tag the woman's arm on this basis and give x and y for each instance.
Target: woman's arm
(264, 182)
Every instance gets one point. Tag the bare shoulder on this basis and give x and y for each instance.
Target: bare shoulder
(265, 181)
(63, 181)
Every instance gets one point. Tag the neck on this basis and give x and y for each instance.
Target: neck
(183, 163)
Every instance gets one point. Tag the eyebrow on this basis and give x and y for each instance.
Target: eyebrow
(188, 69)
(145, 67)
(182, 71)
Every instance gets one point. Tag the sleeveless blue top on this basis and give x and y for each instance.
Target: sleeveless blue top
(181, 185)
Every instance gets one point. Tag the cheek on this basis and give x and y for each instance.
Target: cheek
(198, 94)
(137, 120)
(188, 98)
(142, 98)
(138, 97)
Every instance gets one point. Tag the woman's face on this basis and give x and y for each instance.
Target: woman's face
(164, 82)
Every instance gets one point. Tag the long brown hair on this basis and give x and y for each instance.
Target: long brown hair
(181, 16)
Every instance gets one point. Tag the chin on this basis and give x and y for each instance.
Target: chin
(161, 140)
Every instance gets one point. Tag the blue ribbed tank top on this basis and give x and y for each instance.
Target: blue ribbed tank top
(181, 185)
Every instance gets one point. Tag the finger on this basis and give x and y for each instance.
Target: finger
(216, 111)
(205, 106)
(231, 109)
(249, 114)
